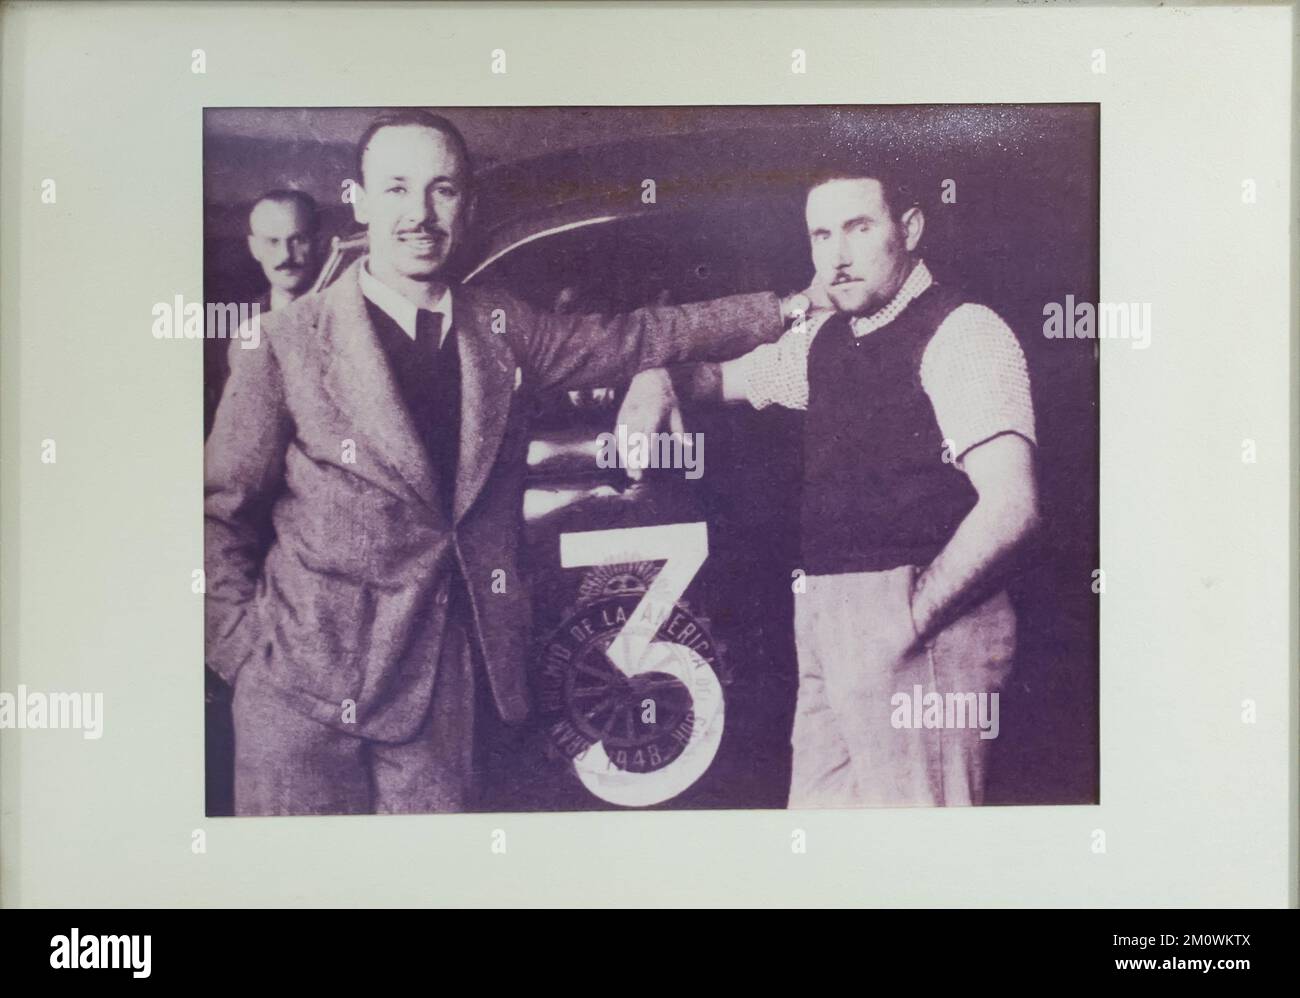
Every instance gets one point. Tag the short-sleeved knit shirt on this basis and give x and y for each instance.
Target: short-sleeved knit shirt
(973, 369)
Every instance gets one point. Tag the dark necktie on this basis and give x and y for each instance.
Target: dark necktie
(442, 436)
(428, 333)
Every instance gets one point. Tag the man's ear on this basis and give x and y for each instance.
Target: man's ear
(252, 248)
(913, 226)
(359, 204)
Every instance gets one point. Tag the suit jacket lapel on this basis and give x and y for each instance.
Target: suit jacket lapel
(360, 382)
(487, 367)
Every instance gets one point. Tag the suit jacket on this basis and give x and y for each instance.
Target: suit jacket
(216, 368)
(328, 552)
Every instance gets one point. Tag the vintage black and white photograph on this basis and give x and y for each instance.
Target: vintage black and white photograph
(575, 458)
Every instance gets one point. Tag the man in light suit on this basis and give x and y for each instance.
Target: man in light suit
(364, 482)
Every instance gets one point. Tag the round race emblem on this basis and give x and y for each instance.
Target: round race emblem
(644, 735)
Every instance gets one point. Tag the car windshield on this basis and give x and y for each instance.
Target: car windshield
(659, 256)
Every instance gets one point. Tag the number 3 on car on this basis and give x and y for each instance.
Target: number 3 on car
(635, 652)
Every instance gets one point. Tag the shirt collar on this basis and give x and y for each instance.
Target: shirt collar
(398, 307)
(917, 281)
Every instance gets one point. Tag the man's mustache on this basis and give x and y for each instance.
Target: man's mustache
(423, 231)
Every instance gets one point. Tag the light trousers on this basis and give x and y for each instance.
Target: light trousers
(850, 749)
(289, 763)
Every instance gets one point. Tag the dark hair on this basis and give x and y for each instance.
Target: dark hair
(897, 179)
(418, 117)
(301, 199)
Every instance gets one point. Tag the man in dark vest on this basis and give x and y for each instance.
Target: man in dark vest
(364, 487)
(918, 484)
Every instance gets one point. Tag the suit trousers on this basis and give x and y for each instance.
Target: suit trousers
(856, 741)
(289, 763)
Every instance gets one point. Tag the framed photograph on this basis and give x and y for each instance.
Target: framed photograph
(441, 435)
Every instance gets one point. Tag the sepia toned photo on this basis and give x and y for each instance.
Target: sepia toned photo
(578, 458)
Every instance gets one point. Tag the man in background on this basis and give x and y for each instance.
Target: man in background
(282, 229)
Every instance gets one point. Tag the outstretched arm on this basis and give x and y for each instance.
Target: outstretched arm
(578, 351)
(770, 374)
(653, 396)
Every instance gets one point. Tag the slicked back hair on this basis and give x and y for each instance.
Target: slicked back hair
(898, 182)
(418, 118)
